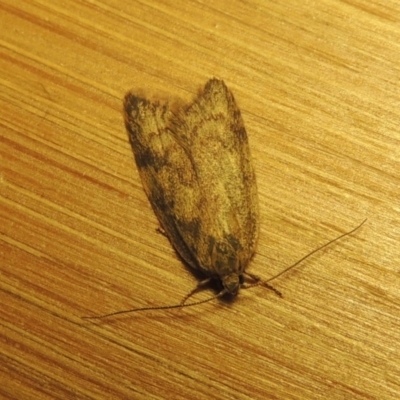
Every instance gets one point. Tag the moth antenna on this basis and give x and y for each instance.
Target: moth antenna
(223, 292)
(220, 294)
(305, 257)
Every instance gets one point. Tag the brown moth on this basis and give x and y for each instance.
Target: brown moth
(196, 169)
(195, 165)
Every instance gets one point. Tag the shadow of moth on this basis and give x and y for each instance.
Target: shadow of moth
(195, 165)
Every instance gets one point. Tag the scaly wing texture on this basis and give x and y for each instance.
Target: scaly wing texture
(162, 165)
(197, 172)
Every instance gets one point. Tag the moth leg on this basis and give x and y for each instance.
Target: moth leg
(192, 292)
(270, 287)
(252, 276)
(258, 281)
(161, 231)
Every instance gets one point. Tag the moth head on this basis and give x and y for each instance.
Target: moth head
(226, 263)
(231, 283)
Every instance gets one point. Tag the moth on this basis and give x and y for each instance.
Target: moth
(195, 165)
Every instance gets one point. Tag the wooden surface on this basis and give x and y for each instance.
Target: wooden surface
(318, 86)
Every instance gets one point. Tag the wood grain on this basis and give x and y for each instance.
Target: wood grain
(318, 86)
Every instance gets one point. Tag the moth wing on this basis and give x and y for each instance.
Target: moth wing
(196, 170)
(167, 175)
(224, 212)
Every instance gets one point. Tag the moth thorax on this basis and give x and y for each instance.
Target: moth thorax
(231, 283)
